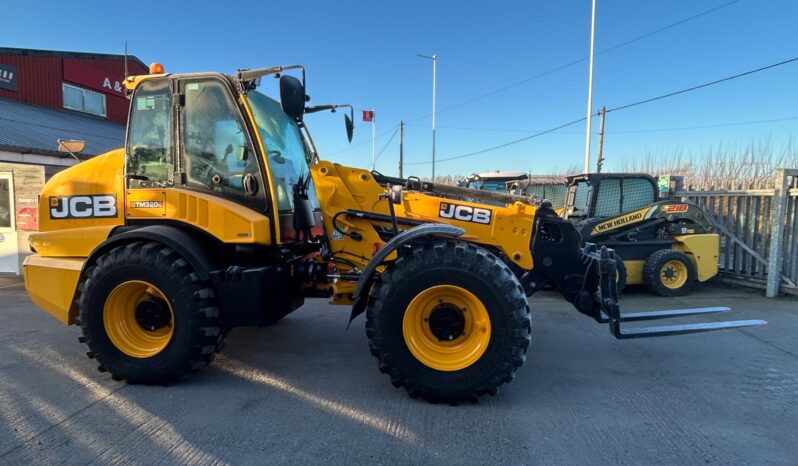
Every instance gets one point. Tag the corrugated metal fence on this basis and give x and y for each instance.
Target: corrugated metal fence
(758, 230)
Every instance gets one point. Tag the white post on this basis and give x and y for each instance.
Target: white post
(434, 79)
(434, 59)
(590, 89)
(373, 139)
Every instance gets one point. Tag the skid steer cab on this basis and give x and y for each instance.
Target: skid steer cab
(219, 213)
(667, 245)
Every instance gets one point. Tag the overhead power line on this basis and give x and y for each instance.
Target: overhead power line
(622, 107)
(717, 125)
(700, 86)
(386, 144)
(576, 62)
(355, 146)
(631, 131)
(489, 149)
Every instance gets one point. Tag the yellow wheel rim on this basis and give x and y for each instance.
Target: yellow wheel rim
(673, 274)
(124, 329)
(422, 333)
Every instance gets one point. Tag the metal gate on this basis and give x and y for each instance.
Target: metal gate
(758, 229)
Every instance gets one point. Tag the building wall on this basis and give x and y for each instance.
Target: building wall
(40, 78)
(28, 183)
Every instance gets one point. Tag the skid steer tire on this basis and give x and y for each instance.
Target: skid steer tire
(448, 277)
(669, 273)
(146, 316)
(620, 267)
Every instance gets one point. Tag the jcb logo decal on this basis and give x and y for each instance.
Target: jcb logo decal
(465, 213)
(674, 208)
(99, 206)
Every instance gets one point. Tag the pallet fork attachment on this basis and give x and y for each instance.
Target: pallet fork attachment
(611, 314)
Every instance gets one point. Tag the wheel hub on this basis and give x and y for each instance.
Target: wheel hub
(152, 314)
(446, 322)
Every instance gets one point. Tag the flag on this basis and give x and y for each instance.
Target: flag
(368, 115)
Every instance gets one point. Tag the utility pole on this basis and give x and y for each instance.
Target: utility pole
(434, 59)
(401, 146)
(590, 89)
(600, 162)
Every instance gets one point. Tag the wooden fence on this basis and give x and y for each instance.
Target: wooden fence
(758, 230)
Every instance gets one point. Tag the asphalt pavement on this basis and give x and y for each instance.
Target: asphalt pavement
(307, 391)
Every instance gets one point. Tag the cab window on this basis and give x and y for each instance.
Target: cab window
(217, 154)
(637, 193)
(149, 146)
(285, 150)
(581, 193)
(608, 199)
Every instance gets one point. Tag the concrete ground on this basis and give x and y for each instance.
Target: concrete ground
(307, 391)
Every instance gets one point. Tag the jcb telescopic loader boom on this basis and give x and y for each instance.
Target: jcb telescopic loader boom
(219, 213)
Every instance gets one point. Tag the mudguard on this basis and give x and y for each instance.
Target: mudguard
(366, 280)
(179, 240)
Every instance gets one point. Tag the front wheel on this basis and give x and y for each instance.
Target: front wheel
(670, 273)
(448, 322)
(146, 316)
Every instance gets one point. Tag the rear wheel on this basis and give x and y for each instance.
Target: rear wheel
(146, 316)
(668, 272)
(449, 323)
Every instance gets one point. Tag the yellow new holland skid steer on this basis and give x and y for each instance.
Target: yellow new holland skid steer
(219, 213)
(666, 245)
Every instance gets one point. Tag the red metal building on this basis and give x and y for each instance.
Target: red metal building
(47, 96)
(84, 82)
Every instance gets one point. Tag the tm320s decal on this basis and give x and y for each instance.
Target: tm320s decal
(83, 206)
(465, 213)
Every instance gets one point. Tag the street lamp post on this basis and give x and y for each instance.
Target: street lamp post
(590, 88)
(434, 59)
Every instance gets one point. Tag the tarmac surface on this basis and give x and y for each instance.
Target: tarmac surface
(307, 391)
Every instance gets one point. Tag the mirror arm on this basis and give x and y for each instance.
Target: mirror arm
(332, 108)
(246, 78)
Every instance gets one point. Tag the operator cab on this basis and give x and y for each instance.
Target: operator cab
(596, 195)
(216, 134)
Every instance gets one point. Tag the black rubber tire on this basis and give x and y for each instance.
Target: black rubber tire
(484, 275)
(198, 333)
(653, 265)
(621, 268)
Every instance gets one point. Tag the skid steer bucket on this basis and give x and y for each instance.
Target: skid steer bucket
(611, 314)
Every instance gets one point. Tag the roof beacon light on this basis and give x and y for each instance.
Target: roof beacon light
(156, 68)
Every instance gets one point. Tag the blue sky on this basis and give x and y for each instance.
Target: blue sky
(364, 53)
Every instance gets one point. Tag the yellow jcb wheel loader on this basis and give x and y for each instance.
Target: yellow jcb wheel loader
(666, 245)
(219, 213)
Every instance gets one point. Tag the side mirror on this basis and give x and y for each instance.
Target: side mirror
(71, 146)
(350, 127)
(292, 97)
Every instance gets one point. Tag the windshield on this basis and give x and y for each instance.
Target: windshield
(284, 148)
(496, 186)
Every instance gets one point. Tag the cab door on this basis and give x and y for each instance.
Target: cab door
(217, 154)
(9, 253)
